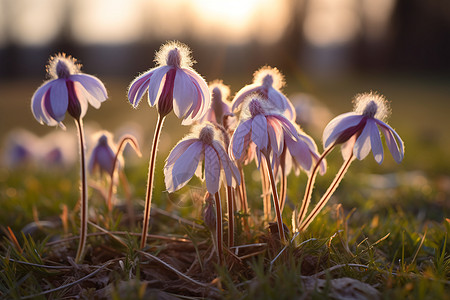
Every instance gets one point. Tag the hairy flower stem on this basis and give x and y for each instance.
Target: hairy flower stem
(327, 194)
(283, 188)
(123, 142)
(276, 203)
(243, 198)
(310, 186)
(265, 183)
(151, 172)
(84, 196)
(219, 231)
(230, 200)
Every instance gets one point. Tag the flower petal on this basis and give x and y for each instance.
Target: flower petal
(179, 149)
(156, 83)
(275, 132)
(242, 95)
(230, 169)
(37, 104)
(93, 86)
(203, 103)
(82, 96)
(362, 145)
(212, 170)
(58, 100)
(138, 87)
(300, 152)
(184, 168)
(375, 141)
(393, 141)
(337, 126)
(238, 139)
(259, 132)
(184, 94)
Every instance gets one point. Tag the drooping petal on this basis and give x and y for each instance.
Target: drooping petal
(93, 86)
(138, 87)
(212, 170)
(204, 95)
(393, 141)
(82, 96)
(362, 145)
(375, 141)
(228, 166)
(184, 168)
(238, 139)
(300, 152)
(58, 100)
(275, 132)
(288, 127)
(241, 95)
(179, 149)
(184, 94)
(37, 104)
(347, 147)
(154, 88)
(282, 102)
(337, 126)
(259, 132)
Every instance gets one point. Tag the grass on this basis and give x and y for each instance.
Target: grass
(384, 234)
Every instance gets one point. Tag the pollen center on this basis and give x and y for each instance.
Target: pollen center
(174, 58)
(371, 109)
(206, 135)
(255, 108)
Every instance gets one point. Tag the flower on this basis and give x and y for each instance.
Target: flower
(103, 155)
(220, 107)
(267, 82)
(358, 130)
(173, 84)
(266, 130)
(68, 90)
(300, 153)
(185, 157)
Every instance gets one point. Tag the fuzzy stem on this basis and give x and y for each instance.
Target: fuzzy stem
(283, 188)
(327, 194)
(219, 232)
(276, 203)
(84, 196)
(230, 198)
(151, 172)
(243, 198)
(265, 183)
(126, 139)
(310, 186)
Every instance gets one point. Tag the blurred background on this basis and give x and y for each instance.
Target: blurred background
(329, 51)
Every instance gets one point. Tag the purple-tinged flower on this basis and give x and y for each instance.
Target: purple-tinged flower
(68, 90)
(220, 107)
(103, 155)
(267, 82)
(173, 85)
(300, 153)
(358, 130)
(264, 127)
(186, 156)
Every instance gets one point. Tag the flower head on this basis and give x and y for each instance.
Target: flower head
(186, 156)
(262, 126)
(358, 131)
(300, 153)
(103, 155)
(220, 106)
(267, 82)
(173, 85)
(68, 90)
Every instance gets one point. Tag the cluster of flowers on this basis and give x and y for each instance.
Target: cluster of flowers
(258, 124)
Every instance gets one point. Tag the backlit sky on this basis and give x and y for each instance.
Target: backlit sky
(327, 22)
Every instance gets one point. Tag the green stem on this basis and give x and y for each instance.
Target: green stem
(327, 194)
(276, 203)
(84, 196)
(151, 172)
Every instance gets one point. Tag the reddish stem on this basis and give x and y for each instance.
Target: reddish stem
(151, 172)
(219, 232)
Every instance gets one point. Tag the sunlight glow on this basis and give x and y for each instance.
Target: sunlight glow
(107, 21)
